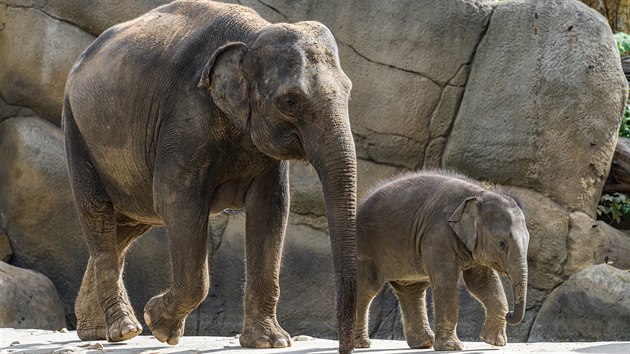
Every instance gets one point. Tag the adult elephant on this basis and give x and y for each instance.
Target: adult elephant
(188, 110)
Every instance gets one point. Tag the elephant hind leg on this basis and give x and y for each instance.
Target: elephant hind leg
(90, 316)
(411, 297)
(103, 276)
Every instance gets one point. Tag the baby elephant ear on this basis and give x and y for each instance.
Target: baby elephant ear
(224, 78)
(463, 222)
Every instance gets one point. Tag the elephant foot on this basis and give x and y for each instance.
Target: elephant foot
(421, 340)
(493, 336)
(451, 343)
(123, 329)
(85, 331)
(362, 342)
(265, 335)
(164, 326)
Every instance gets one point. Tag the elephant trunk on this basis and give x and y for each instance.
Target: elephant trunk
(518, 278)
(332, 154)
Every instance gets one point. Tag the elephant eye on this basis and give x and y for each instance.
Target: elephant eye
(289, 104)
(503, 245)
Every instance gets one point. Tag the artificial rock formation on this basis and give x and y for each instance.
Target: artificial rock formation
(592, 305)
(28, 300)
(524, 94)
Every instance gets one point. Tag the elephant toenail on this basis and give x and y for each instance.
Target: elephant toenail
(280, 343)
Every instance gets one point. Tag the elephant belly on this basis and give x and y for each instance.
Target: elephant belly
(128, 182)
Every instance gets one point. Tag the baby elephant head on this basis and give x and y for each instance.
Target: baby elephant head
(493, 228)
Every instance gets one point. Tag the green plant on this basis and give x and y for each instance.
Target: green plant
(623, 43)
(615, 206)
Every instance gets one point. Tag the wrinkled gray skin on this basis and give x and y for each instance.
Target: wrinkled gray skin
(424, 229)
(188, 110)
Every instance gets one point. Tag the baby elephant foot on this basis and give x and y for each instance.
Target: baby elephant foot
(362, 342)
(494, 337)
(124, 328)
(164, 326)
(264, 335)
(451, 343)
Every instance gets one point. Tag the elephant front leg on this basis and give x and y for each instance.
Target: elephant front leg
(485, 285)
(444, 276)
(267, 205)
(184, 210)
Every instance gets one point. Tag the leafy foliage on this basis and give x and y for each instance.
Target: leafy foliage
(624, 129)
(615, 206)
(623, 43)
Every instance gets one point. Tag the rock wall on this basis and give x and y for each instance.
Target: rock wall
(525, 94)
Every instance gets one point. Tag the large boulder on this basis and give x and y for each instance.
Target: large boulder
(594, 242)
(28, 300)
(592, 305)
(36, 206)
(36, 54)
(543, 103)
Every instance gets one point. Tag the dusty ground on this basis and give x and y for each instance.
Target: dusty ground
(40, 342)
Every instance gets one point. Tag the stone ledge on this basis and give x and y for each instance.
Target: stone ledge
(40, 341)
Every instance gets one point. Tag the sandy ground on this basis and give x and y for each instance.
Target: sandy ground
(40, 342)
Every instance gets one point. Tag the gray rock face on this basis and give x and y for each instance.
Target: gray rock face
(36, 207)
(593, 305)
(94, 16)
(517, 123)
(28, 300)
(36, 54)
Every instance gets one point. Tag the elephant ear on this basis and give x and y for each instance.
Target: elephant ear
(463, 222)
(224, 78)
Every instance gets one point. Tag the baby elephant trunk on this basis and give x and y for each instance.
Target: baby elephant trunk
(519, 287)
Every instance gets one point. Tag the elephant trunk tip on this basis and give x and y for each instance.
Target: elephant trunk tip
(512, 319)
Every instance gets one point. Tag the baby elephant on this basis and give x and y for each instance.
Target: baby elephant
(422, 229)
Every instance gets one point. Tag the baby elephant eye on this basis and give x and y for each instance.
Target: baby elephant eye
(289, 104)
(503, 245)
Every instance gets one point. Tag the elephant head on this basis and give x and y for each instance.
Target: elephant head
(286, 89)
(493, 228)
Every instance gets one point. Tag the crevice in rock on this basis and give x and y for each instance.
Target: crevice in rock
(472, 60)
(369, 158)
(49, 15)
(274, 10)
(391, 134)
(438, 83)
(423, 158)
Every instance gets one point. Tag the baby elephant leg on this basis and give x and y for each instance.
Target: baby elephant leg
(368, 286)
(411, 297)
(485, 285)
(445, 306)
